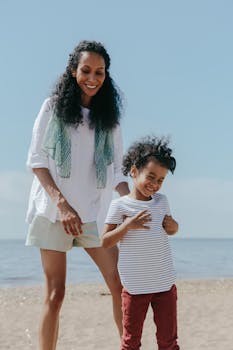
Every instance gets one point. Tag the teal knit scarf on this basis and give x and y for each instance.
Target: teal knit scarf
(57, 145)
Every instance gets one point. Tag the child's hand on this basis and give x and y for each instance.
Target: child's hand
(138, 221)
(170, 225)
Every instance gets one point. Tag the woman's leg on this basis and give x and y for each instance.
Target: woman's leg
(54, 266)
(106, 260)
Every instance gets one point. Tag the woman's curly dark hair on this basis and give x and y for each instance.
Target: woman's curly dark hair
(144, 150)
(105, 105)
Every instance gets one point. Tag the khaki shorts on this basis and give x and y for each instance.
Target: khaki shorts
(48, 235)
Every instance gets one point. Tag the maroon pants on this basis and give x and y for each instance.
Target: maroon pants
(134, 309)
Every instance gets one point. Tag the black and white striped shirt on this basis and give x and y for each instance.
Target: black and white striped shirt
(145, 260)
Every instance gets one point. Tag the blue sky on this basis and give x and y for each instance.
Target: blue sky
(173, 62)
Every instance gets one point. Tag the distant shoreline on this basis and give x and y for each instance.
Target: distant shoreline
(173, 238)
(90, 284)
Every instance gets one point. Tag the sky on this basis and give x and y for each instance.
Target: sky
(173, 62)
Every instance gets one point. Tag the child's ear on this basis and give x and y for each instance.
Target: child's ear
(133, 171)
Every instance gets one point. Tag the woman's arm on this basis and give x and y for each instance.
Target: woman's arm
(38, 162)
(68, 216)
(122, 188)
(120, 181)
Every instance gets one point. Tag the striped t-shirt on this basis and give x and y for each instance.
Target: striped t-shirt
(145, 260)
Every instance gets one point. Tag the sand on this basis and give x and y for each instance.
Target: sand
(205, 317)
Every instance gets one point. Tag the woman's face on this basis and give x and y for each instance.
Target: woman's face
(90, 75)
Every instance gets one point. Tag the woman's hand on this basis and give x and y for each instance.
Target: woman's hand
(170, 225)
(69, 218)
(138, 221)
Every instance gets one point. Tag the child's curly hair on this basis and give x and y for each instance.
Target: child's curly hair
(149, 147)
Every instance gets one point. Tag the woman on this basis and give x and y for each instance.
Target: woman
(76, 156)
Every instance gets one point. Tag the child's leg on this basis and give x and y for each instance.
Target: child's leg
(165, 318)
(134, 309)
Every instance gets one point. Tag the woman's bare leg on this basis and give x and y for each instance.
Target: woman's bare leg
(54, 266)
(106, 260)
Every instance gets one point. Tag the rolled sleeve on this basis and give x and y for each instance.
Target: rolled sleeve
(37, 158)
(118, 157)
(167, 207)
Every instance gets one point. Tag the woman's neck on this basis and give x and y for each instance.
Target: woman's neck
(85, 101)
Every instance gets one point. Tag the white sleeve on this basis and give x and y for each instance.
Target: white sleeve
(167, 207)
(118, 157)
(114, 215)
(37, 158)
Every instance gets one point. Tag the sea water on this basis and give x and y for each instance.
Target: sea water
(193, 259)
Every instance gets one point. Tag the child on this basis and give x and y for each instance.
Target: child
(141, 222)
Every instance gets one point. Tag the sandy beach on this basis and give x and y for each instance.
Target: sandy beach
(205, 317)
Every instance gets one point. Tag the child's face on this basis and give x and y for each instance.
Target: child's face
(90, 75)
(148, 179)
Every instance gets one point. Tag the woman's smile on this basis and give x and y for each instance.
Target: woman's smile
(91, 86)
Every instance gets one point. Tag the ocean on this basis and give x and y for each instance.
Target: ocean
(193, 259)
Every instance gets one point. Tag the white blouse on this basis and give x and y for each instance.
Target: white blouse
(80, 189)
